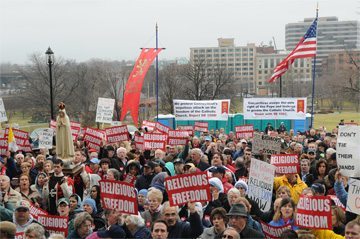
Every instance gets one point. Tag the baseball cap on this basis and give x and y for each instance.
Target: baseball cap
(218, 169)
(159, 162)
(22, 204)
(95, 160)
(149, 164)
(243, 141)
(178, 160)
(63, 200)
(318, 188)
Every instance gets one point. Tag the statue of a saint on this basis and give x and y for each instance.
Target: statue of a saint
(64, 141)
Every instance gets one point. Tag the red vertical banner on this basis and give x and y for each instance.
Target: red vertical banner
(300, 106)
(225, 107)
(135, 82)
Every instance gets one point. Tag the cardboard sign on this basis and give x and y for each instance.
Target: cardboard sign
(75, 128)
(285, 163)
(201, 126)
(93, 137)
(188, 128)
(314, 212)
(54, 224)
(21, 138)
(261, 182)
(155, 141)
(46, 138)
(105, 110)
(266, 144)
(119, 195)
(272, 232)
(160, 128)
(149, 125)
(178, 137)
(201, 109)
(117, 134)
(244, 131)
(186, 188)
(3, 116)
(139, 142)
(348, 150)
(274, 108)
(353, 202)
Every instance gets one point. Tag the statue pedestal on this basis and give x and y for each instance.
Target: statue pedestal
(69, 169)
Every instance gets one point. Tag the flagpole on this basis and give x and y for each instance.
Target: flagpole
(157, 77)
(280, 87)
(313, 80)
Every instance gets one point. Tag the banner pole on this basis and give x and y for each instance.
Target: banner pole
(313, 81)
(157, 77)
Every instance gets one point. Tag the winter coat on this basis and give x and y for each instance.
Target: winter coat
(191, 229)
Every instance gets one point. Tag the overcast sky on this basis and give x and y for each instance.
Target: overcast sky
(116, 29)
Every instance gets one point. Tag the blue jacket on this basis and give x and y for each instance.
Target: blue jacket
(281, 223)
(340, 192)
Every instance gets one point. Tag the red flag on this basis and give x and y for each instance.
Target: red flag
(135, 82)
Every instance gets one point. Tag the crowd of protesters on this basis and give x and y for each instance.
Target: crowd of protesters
(38, 179)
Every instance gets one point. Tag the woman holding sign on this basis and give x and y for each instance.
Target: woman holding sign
(285, 214)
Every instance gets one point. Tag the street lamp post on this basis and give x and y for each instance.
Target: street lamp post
(50, 62)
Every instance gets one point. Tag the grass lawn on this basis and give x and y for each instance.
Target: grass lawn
(330, 121)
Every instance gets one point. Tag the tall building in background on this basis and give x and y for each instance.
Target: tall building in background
(333, 36)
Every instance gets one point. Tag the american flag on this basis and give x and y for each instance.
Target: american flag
(305, 48)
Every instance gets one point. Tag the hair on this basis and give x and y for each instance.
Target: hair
(136, 220)
(56, 236)
(58, 161)
(246, 203)
(339, 214)
(81, 218)
(156, 193)
(283, 188)
(318, 165)
(284, 202)
(97, 199)
(219, 211)
(37, 228)
(288, 234)
(115, 172)
(160, 221)
(305, 160)
(166, 205)
(305, 234)
(355, 222)
(40, 156)
(197, 151)
(220, 155)
(233, 229)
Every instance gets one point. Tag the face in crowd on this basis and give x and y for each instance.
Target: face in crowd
(159, 231)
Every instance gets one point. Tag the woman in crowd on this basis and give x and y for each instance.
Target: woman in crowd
(95, 194)
(75, 206)
(136, 226)
(219, 221)
(285, 214)
(113, 174)
(83, 224)
(322, 169)
(141, 198)
(155, 198)
(283, 192)
(48, 167)
(89, 206)
(338, 220)
(26, 192)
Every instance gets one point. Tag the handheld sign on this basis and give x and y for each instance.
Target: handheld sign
(201, 126)
(46, 138)
(105, 110)
(3, 117)
(139, 142)
(149, 125)
(353, 202)
(348, 150)
(119, 195)
(272, 232)
(186, 188)
(155, 141)
(188, 128)
(314, 212)
(93, 137)
(261, 183)
(178, 137)
(285, 163)
(160, 128)
(117, 134)
(244, 131)
(21, 139)
(266, 144)
(54, 224)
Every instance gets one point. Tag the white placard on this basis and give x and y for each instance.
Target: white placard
(261, 183)
(265, 144)
(274, 108)
(105, 110)
(348, 150)
(353, 202)
(201, 109)
(46, 138)
(3, 117)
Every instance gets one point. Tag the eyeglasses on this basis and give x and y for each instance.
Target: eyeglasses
(227, 236)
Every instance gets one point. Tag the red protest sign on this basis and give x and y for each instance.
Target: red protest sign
(272, 232)
(21, 139)
(188, 128)
(201, 126)
(149, 125)
(119, 195)
(161, 128)
(178, 137)
(129, 179)
(139, 142)
(35, 211)
(54, 224)
(93, 137)
(155, 141)
(244, 131)
(314, 212)
(285, 163)
(117, 134)
(3, 146)
(337, 202)
(188, 188)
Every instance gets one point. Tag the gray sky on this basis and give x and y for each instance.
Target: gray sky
(116, 29)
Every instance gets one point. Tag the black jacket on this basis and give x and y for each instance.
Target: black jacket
(144, 181)
(191, 229)
(250, 233)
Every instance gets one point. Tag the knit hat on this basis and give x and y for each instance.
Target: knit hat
(143, 192)
(242, 184)
(158, 181)
(215, 182)
(91, 202)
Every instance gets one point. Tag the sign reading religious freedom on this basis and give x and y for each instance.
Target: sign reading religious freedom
(348, 150)
(119, 195)
(314, 212)
(201, 109)
(285, 163)
(117, 134)
(3, 117)
(353, 202)
(46, 138)
(274, 108)
(186, 188)
(273, 232)
(105, 110)
(261, 182)
(244, 131)
(201, 126)
(93, 137)
(178, 137)
(155, 141)
(54, 224)
(266, 144)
